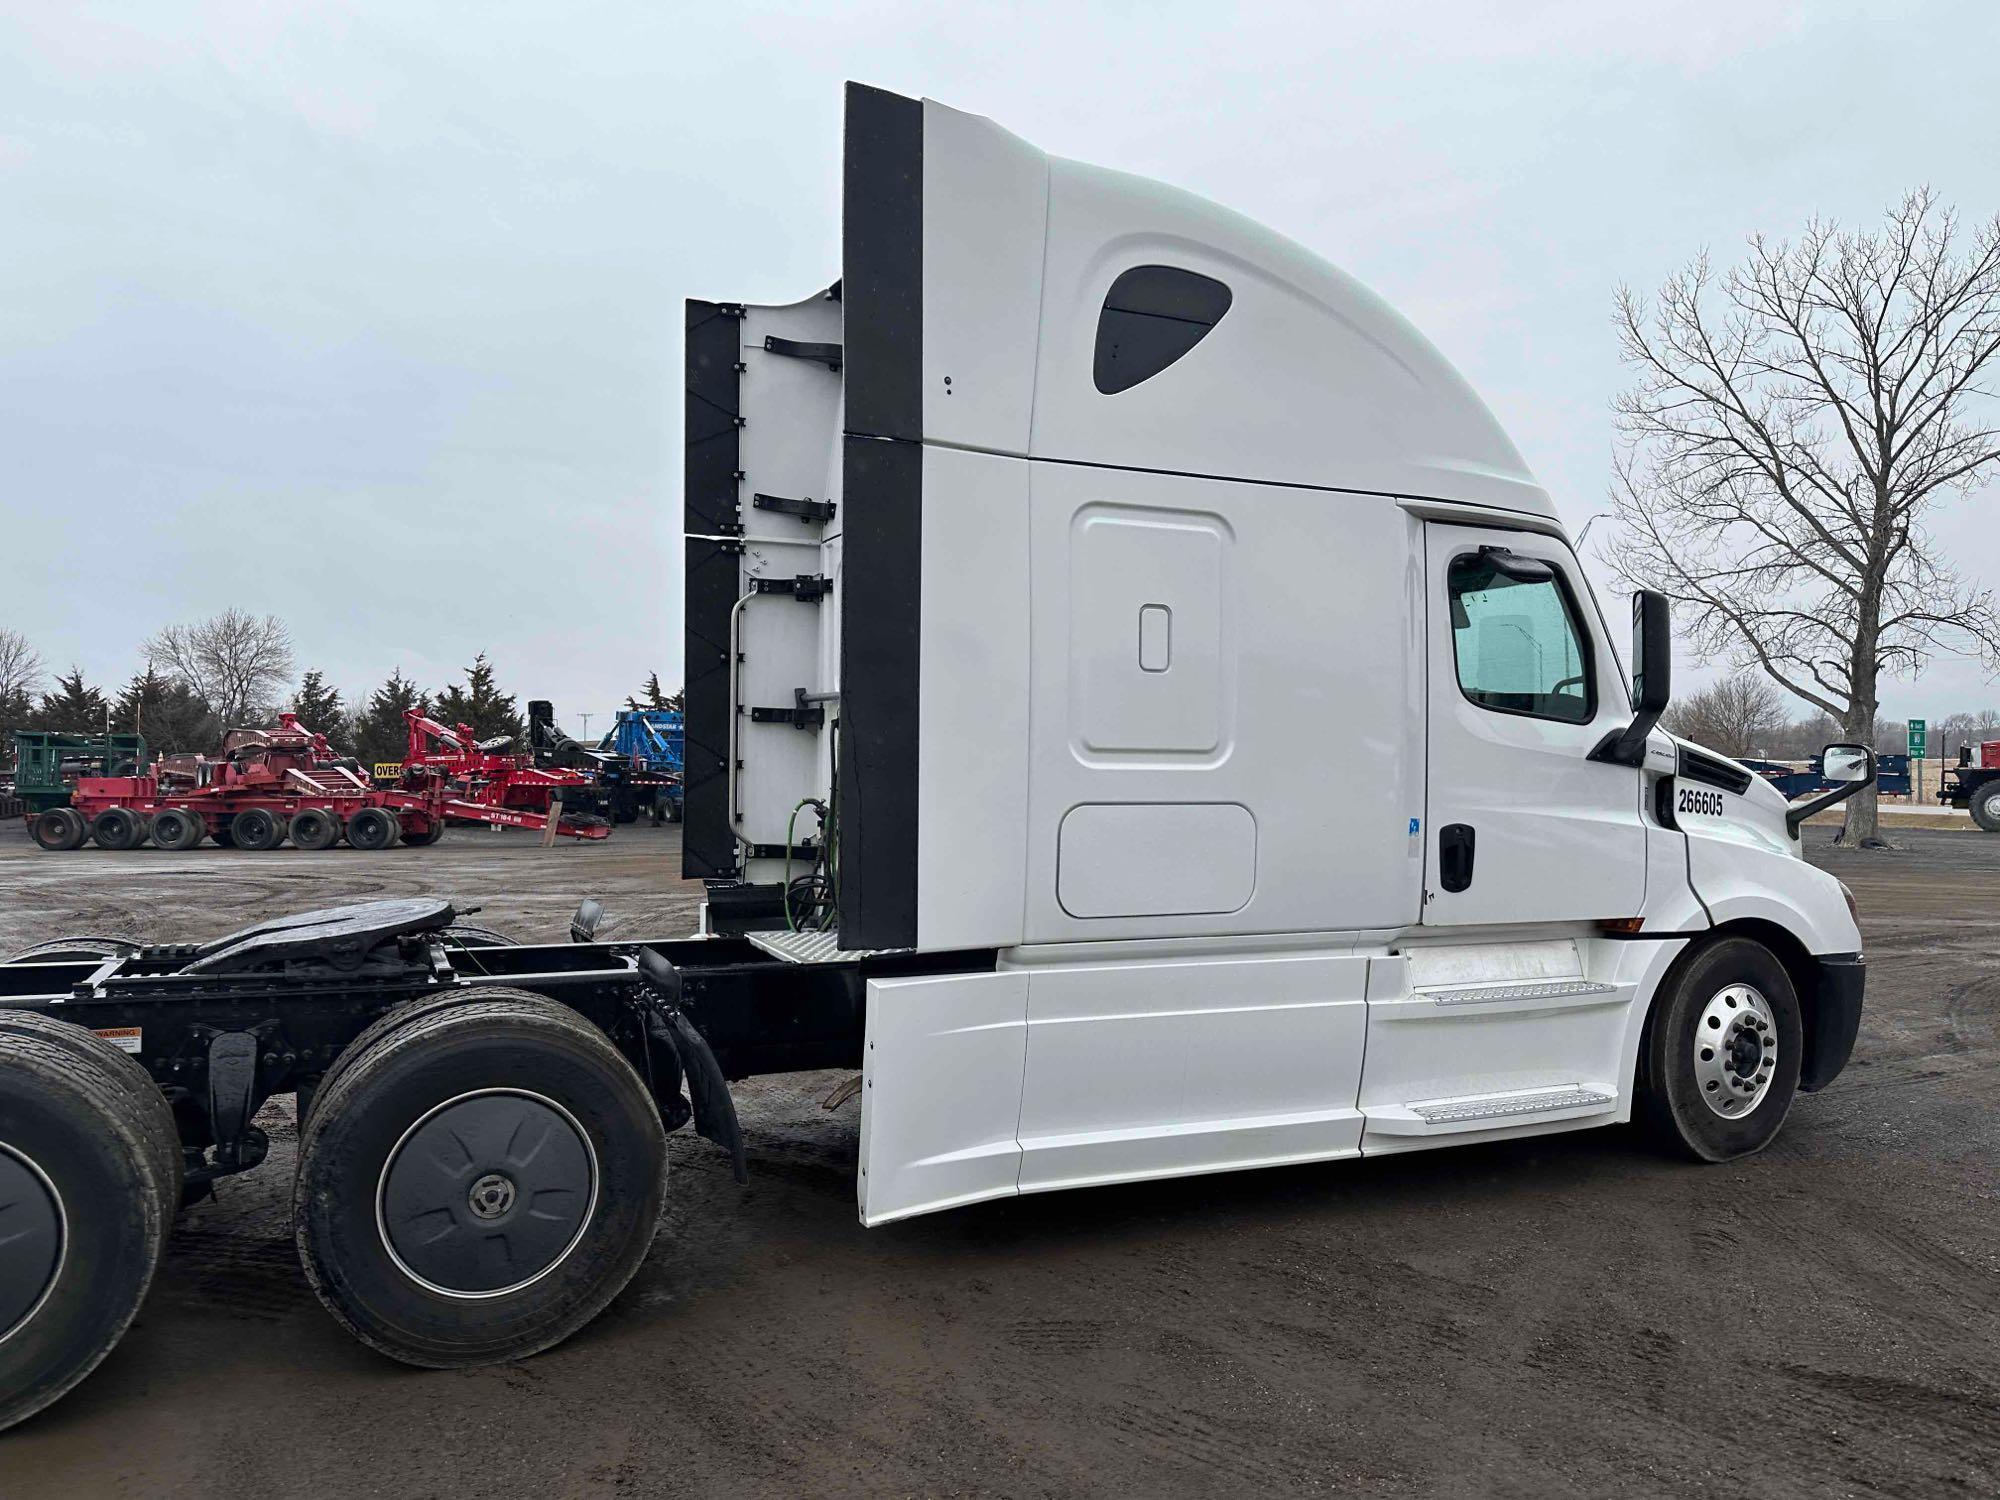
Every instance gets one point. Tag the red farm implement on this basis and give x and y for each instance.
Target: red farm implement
(484, 773)
(266, 786)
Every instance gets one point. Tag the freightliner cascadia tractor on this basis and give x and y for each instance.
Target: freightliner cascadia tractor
(1143, 719)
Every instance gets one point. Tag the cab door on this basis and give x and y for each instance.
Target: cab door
(1523, 685)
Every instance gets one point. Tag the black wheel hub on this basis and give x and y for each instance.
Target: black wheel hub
(487, 1193)
(1746, 1054)
(491, 1196)
(31, 1240)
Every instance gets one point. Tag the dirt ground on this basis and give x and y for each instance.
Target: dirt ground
(1564, 1316)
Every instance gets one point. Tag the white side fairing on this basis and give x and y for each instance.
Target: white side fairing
(941, 1092)
(1063, 1069)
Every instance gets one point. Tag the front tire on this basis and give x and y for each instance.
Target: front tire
(479, 1182)
(1722, 1053)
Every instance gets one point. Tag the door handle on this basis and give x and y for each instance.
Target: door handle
(1455, 856)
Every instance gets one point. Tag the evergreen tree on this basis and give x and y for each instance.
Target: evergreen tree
(480, 703)
(380, 731)
(168, 713)
(73, 708)
(319, 707)
(652, 696)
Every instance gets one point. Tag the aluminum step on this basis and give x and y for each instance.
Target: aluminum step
(1484, 1111)
(1536, 989)
(1500, 1107)
(811, 947)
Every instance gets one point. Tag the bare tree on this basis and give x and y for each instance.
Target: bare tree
(1792, 422)
(21, 677)
(234, 662)
(20, 665)
(1736, 715)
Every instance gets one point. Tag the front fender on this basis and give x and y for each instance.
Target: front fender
(1740, 883)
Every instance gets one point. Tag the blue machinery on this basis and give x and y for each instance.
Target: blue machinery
(649, 744)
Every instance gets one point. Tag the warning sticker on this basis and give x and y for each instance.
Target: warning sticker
(124, 1038)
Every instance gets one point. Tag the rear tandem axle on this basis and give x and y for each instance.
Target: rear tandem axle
(482, 1124)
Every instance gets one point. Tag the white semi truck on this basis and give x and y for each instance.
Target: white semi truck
(1143, 719)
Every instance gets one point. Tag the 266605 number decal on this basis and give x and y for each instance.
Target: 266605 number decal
(1692, 801)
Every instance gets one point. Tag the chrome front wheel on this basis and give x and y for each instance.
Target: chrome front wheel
(1735, 1049)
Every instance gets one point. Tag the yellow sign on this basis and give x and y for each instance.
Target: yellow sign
(388, 770)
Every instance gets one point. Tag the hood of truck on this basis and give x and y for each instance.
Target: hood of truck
(1743, 863)
(1717, 797)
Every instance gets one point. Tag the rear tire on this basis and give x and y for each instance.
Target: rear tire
(147, 1103)
(118, 828)
(314, 828)
(425, 839)
(373, 828)
(469, 935)
(257, 829)
(177, 830)
(223, 837)
(483, 1280)
(79, 945)
(59, 828)
(78, 1164)
(1720, 1059)
(1985, 806)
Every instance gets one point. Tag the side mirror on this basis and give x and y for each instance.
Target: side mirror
(1850, 767)
(583, 926)
(1652, 680)
(1652, 653)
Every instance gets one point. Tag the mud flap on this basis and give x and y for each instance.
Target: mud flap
(714, 1109)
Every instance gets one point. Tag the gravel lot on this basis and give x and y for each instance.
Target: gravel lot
(1565, 1316)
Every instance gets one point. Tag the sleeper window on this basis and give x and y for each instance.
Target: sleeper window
(1151, 317)
(1515, 636)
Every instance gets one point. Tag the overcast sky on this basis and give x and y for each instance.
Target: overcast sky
(369, 316)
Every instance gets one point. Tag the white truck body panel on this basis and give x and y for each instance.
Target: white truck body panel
(1151, 690)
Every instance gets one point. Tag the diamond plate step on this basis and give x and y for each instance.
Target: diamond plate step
(1481, 1112)
(1535, 989)
(810, 947)
(1491, 1108)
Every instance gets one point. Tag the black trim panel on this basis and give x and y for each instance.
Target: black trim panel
(714, 411)
(881, 506)
(882, 541)
(708, 842)
(710, 508)
(882, 264)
